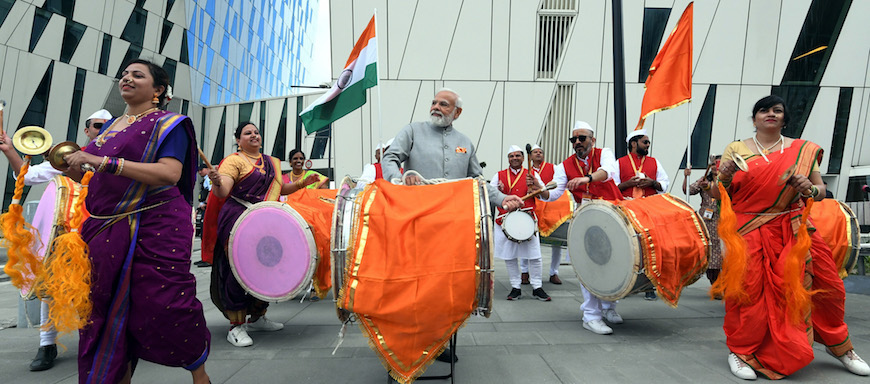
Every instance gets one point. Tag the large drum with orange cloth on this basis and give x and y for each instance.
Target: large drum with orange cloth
(838, 226)
(554, 218)
(412, 263)
(272, 252)
(634, 245)
(51, 220)
(316, 206)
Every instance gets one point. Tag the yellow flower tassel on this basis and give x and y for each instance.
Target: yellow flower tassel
(69, 273)
(23, 267)
(797, 299)
(730, 282)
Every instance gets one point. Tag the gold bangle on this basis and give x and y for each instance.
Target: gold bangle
(102, 166)
(300, 184)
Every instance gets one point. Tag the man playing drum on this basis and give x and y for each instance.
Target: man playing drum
(513, 181)
(435, 149)
(588, 174)
(38, 174)
(546, 171)
(634, 170)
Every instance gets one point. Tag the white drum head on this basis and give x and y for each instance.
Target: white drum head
(519, 226)
(604, 250)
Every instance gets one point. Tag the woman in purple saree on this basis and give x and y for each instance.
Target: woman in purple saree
(140, 235)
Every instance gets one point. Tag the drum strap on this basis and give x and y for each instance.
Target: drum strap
(246, 203)
(125, 214)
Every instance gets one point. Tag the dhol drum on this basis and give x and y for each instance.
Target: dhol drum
(632, 246)
(272, 251)
(519, 226)
(554, 218)
(840, 229)
(50, 220)
(412, 260)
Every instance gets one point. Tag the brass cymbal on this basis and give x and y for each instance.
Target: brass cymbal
(57, 153)
(31, 140)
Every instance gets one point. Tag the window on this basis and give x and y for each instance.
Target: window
(40, 21)
(72, 35)
(134, 31)
(555, 18)
(654, 22)
(60, 7)
(559, 123)
(104, 54)
(816, 42)
(279, 150)
(164, 33)
(132, 54)
(218, 153)
(262, 125)
(702, 132)
(5, 7)
(321, 140)
(72, 129)
(799, 100)
(245, 111)
(841, 126)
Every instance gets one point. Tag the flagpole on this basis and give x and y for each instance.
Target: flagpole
(689, 146)
(378, 71)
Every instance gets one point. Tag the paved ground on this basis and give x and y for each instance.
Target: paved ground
(526, 341)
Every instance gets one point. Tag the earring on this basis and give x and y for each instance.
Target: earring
(155, 100)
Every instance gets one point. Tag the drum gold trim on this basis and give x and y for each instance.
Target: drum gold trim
(31, 140)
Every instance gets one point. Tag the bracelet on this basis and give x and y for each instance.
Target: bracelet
(111, 165)
(814, 191)
(707, 188)
(300, 184)
(103, 164)
(120, 166)
(590, 179)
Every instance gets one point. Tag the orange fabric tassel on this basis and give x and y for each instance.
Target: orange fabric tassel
(18, 238)
(730, 282)
(69, 273)
(797, 298)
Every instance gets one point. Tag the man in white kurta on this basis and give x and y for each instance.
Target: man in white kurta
(515, 181)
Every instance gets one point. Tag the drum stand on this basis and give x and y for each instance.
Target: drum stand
(441, 377)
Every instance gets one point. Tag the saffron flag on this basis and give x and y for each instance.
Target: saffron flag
(349, 91)
(669, 83)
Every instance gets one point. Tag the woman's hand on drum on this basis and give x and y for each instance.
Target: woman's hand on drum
(578, 182)
(512, 202)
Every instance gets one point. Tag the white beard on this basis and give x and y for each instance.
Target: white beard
(440, 121)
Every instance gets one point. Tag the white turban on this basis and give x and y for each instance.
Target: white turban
(384, 145)
(535, 146)
(101, 114)
(583, 125)
(512, 149)
(639, 132)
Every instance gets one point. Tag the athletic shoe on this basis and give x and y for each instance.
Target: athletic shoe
(554, 279)
(597, 326)
(539, 294)
(44, 359)
(740, 369)
(515, 294)
(650, 296)
(239, 337)
(612, 316)
(264, 324)
(853, 362)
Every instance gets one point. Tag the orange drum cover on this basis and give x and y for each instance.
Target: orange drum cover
(674, 242)
(839, 228)
(412, 271)
(553, 214)
(315, 206)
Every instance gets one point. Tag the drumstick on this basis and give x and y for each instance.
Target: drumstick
(549, 186)
(204, 159)
(529, 155)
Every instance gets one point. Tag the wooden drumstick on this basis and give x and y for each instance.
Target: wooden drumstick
(549, 186)
(204, 159)
(529, 156)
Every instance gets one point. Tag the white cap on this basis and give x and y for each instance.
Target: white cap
(636, 133)
(512, 149)
(582, 125)
(384, 145)
(101, 114)
(535, 146)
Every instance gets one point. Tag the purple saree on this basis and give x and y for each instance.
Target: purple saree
(226, 292)
(143, 293)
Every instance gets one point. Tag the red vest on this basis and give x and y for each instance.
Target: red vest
(546, 172)
(514, 185)
(575, 168)
(626, 171)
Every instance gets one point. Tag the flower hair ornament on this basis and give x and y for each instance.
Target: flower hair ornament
(169, 94)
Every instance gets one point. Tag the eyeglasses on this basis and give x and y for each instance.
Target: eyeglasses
(574, 139)
(97, 125)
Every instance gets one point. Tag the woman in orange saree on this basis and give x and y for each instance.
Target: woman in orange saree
(770, 287)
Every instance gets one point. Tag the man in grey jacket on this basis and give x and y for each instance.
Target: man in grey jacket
(434, 149)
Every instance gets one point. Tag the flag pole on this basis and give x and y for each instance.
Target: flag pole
(689, 146)
(378, 71)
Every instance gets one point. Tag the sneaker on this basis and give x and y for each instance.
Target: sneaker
(264, 324)
(597, 326)
(44, 359)
(515, 294)
(852, 362)
(650, 296)
(239, 337)
(539, 294)
(524, 278)
(740, 369)
(202, 264)
(554, 279)
(612, 316)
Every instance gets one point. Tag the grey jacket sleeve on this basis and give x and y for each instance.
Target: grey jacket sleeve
(391, 162)
(474, 170)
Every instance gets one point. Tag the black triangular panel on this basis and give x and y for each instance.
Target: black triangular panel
(164, 34)
(132, 54)
(134, 31)
(184, 58)
(72, 36)
(702, 132)
(169, 4)
(40, 21)
(218, 154)
(279, 150)
(38, 107)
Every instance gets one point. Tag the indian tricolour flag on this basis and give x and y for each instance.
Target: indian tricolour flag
(349, 92)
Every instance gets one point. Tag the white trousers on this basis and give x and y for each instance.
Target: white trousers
(47, 337)
(535, 271)
(593, 308)
(555, 261)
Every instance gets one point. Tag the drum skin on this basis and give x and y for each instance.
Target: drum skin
(839, 228)
(272, 251)
(519, 226)
(616, 248)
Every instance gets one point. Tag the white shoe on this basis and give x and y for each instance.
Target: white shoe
(853, 362)
(264, 324)
(597, 326)
(613, 317)
(239, 337)
(740, 369)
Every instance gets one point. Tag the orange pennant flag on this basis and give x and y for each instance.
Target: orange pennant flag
(669, 83)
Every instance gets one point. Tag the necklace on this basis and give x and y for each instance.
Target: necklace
(766, 150)
(296, 178)
(255, 160)
(132, 118)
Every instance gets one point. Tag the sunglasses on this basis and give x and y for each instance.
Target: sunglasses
(574, 139)
(97, 125)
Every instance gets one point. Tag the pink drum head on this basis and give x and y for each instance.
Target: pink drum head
(272, 251)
